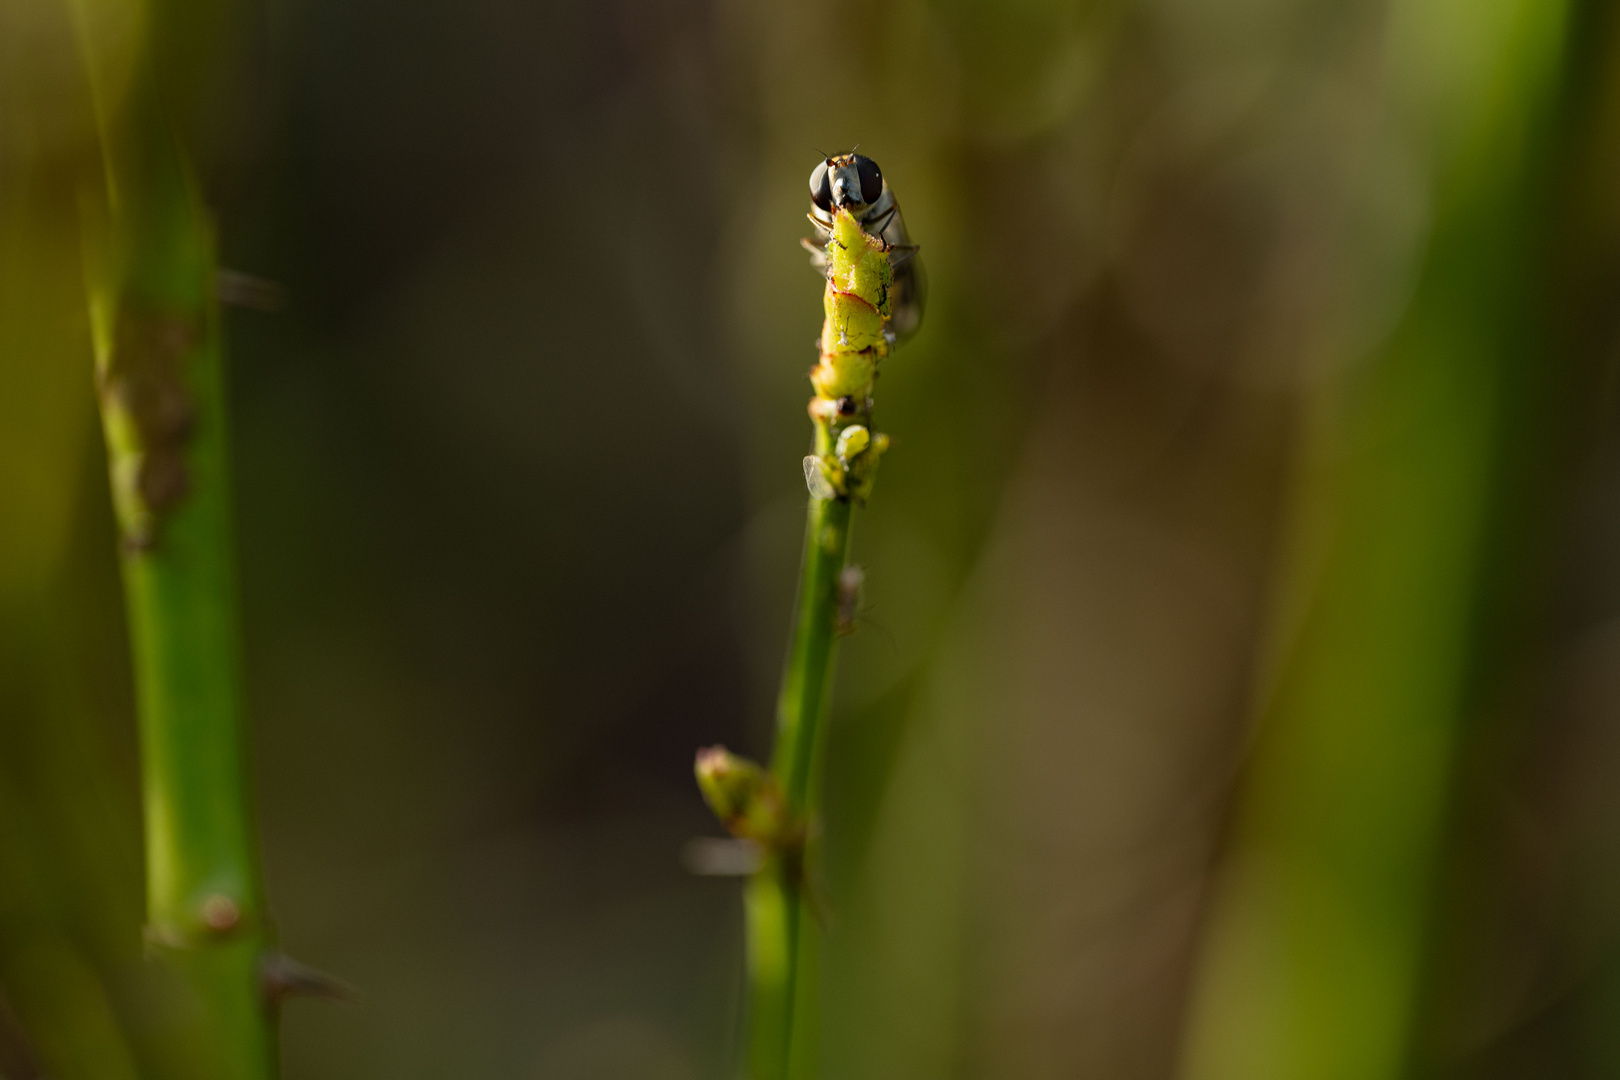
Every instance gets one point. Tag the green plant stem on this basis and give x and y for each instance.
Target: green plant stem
(160, 378)
(808, 678)
(1317, 943)
(780, 938)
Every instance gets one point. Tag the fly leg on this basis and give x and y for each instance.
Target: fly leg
(875, 228)
(818, 253)
(900, 254)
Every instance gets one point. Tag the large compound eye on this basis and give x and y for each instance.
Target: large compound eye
(871, 179)
(821, 187)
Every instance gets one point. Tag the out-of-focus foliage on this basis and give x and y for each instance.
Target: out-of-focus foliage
(1234, 691)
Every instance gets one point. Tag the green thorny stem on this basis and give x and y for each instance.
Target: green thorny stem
(775, 811)
(156, 330)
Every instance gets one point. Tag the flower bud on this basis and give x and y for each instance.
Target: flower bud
(746, 798)
(852, 441)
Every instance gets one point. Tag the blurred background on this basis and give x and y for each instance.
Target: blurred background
(1236, 690)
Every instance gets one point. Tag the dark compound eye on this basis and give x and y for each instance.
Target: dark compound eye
(821, 187)
(871, 179)
(846, 406)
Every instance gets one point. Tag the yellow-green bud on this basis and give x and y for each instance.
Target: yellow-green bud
(844, 374)
(861, 472)
(858, 264)
(746, 798)
(852, 441)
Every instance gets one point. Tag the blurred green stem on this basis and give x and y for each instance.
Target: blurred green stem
(780, 938)
(159, 374)
(1313, 962)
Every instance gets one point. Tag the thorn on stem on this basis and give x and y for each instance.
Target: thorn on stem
(220, 913)
(714, 856)
(236, 289)
(281, 977)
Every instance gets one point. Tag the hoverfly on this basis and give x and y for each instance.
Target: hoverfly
(854, 182)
